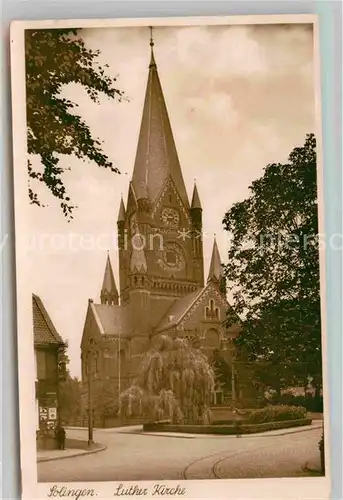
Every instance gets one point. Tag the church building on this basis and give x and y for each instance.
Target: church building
(163, 287)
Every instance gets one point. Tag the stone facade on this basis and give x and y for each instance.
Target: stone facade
(161, 265)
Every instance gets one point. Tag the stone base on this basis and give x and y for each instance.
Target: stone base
(46, 442)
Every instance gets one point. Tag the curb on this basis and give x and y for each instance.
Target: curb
(76, 454)
(299, 429)
(290, 430)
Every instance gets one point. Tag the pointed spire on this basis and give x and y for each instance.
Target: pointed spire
(156, 156)
(109, 293)
(152, 57)
(121, 214)
(196, 198)
(216, 271)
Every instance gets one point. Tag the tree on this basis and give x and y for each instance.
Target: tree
(273, 270)
(54, 59)
(228, 368)
(70, 399)
(105, 399)
(175, 382)
(69, 389)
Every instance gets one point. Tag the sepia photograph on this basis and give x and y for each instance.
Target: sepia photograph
(169, 258)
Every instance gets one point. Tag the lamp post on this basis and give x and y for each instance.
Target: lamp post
(119, 375)
(61, 377)
(233, 385)
(90, 408)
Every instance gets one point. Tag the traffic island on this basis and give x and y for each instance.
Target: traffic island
(233, 429)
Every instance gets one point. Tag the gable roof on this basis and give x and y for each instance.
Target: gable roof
(111, 319)
(183, 306)
(44, 331)
(177, 310)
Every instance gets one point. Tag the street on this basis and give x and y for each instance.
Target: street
(132, 456)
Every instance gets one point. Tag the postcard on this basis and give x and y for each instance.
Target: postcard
(169, 253)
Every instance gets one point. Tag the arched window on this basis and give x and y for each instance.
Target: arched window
(211, 311)
(212, 339)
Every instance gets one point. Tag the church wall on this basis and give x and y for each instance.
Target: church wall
(90, 333)
(139, 312)
(138, 345)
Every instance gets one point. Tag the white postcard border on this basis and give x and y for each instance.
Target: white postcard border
(279, 488)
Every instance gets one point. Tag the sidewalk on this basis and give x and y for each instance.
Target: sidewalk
(48, 455)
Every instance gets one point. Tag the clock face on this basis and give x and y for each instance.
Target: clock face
(133, 224)
(171, 258)
(170, 217)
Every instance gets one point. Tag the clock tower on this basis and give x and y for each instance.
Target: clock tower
(160, 232)
(161, 268)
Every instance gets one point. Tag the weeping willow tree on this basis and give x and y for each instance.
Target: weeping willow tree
(175, 382)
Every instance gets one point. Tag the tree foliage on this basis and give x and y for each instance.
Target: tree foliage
(223, 367)
(70, 399)
(54, 59)
(175, 382)
(105, 399)
(69, 389)
(273, 270)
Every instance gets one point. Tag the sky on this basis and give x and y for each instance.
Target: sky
(238, 97)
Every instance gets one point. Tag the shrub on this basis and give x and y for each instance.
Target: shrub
(237, 428)
(311, 403)
(276, 413)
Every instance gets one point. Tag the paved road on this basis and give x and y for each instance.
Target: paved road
(132, 456)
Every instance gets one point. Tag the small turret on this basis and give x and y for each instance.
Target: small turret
(216, 274)
(121, 214)
(121, 224)
(144, 205)
(109, 293)
(196, 204)
(196, 209)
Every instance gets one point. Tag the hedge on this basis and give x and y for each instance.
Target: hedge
(313, 404)
(276, 413)
(225, 429)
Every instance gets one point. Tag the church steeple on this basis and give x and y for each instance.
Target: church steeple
(216, 271)
(109, 293)
(156, 156)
